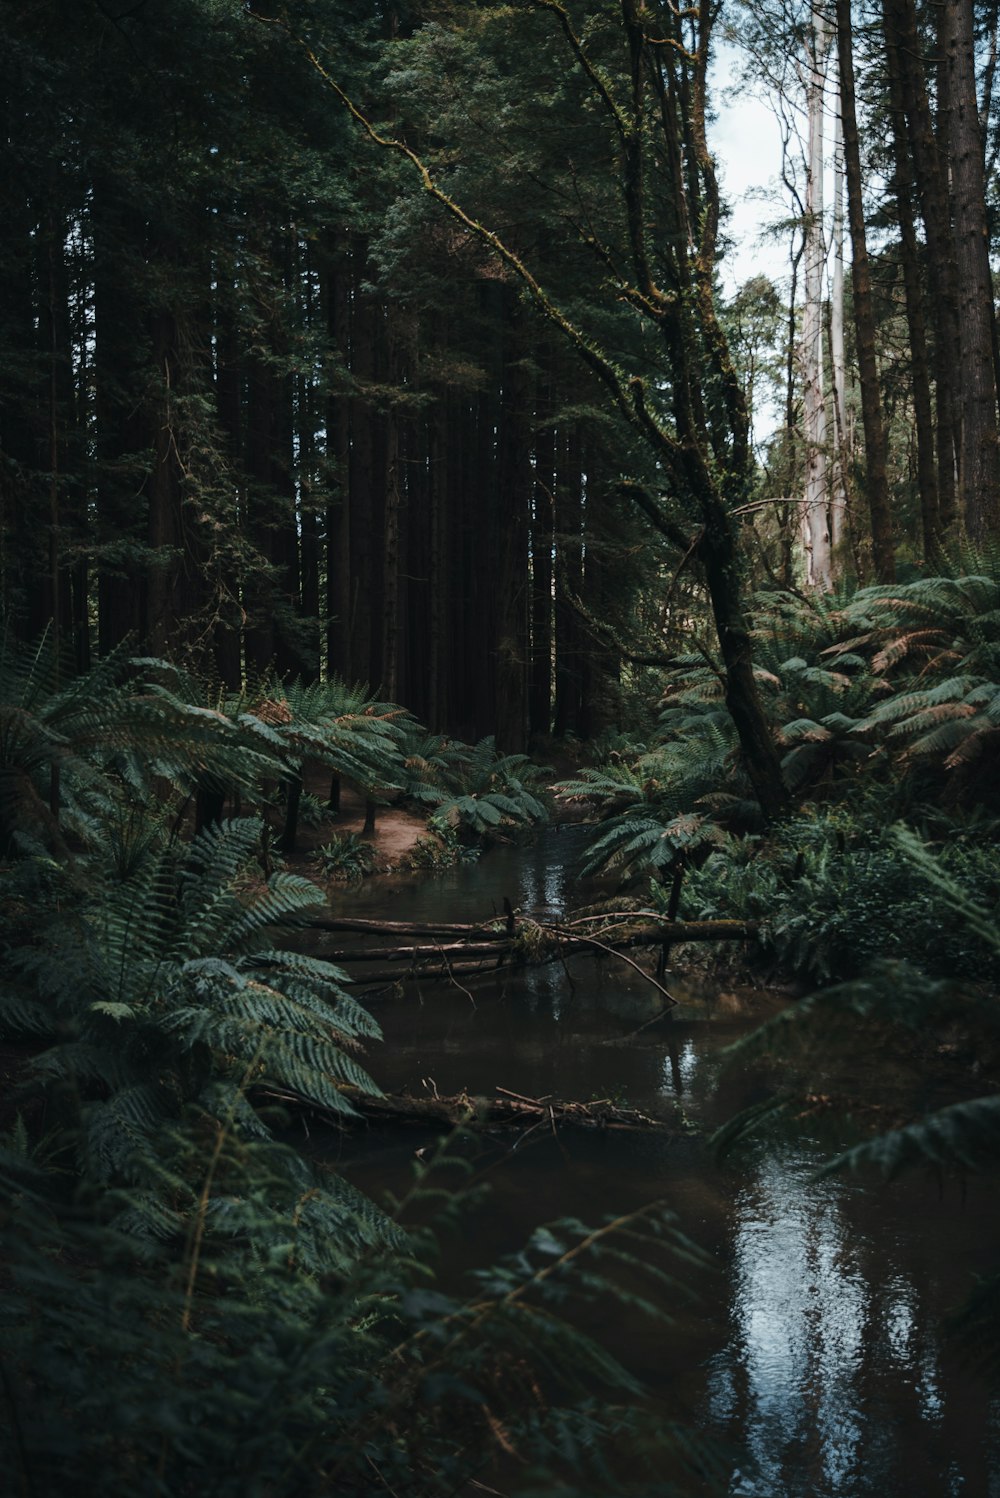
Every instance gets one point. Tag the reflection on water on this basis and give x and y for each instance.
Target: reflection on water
(833, 1369)
(818, 1353)
(800, 1307)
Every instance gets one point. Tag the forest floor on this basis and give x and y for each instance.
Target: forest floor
(397, 831)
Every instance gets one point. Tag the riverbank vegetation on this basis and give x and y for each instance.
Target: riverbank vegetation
(376, 429)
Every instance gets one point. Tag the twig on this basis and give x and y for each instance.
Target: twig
(592, 941)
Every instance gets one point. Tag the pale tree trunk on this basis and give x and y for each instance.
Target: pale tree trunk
(838, 356)
(817, 528)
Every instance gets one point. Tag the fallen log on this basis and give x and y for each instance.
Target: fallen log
(504, 1109)
(494, 929)
(535, 942)
(649, 931)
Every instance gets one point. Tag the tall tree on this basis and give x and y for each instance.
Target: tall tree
(980, 452)
(817, 517)
(661, 265)
(876, 481)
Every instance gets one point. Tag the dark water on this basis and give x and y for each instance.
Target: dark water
(816, 1348)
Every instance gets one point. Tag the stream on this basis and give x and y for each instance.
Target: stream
(816, 1350)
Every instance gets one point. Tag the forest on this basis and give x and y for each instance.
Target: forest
(433, 583)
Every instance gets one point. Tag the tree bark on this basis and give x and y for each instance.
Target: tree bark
(980, 448)
(930, 178)
(903, 191)
(876, 479)
(338, 462)
(819, 565)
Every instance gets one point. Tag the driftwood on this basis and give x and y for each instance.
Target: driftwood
(455, 950)
(504, 1109)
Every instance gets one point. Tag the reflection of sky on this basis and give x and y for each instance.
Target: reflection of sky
(812, 1344)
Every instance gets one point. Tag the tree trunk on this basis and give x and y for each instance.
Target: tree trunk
(838, 355)
(439, 575)
(542, 539)
(819, 566)
(980, 463)
(931, 183)
(514, 485)
(338, 464)
(876, 480)
(392, 509)
(903, 189)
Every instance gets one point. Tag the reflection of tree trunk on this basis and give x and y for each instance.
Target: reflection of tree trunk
(876, 481)
(980, 466)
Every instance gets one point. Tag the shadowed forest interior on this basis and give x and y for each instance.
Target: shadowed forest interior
(494, 669)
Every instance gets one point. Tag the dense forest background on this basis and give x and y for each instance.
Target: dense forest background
(265, 405)
(373, 409)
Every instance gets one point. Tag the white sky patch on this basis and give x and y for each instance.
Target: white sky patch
(746, 140)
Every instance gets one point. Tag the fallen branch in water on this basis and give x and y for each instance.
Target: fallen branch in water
(471, 949)
(504, 1109)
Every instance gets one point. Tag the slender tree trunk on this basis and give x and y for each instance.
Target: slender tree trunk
(930, 173)
(338, 464)
(876, 479)
(392, 508)
(903, 189)
(542, 540)
(229, 411)
(980, 465)
(514, 483)
(306, 423)
(438, 570)
(838, 355)
(164, 608)
(819, 570)
(362, 469)
(569, 580)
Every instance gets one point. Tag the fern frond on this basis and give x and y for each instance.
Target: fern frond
(965, 1136)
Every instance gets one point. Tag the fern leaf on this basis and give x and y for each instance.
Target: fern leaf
(965, 1136)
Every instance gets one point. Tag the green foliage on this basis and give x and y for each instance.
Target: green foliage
(235, 1366)
(441, 848)
(473, 787)
(836, 890)
(167, 993)
(188, 1302)
(346, 856)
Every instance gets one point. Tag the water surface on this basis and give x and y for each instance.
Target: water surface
(817, 1347)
